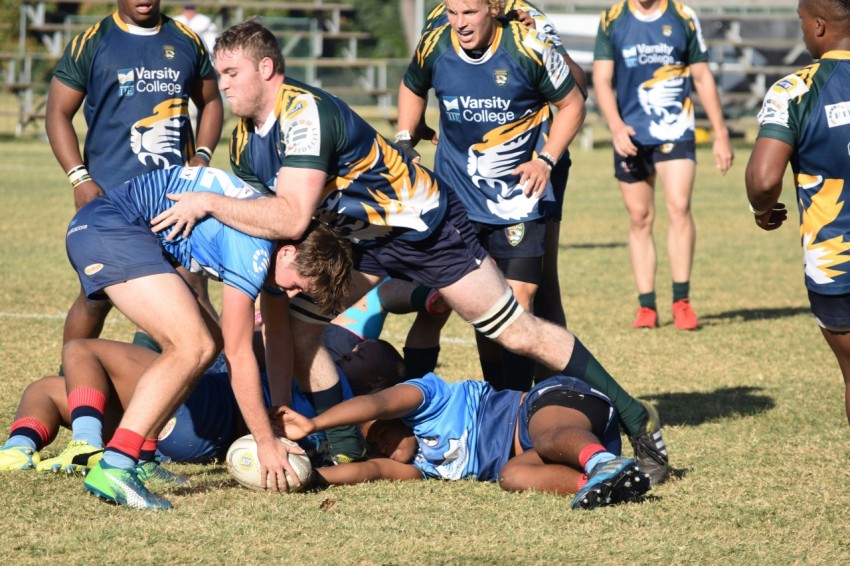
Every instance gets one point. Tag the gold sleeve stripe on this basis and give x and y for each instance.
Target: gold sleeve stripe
(83, 38)
(428, 43)
(519, 33)
(188, 32)
(239, 141)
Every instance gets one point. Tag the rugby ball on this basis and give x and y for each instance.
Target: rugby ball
(244, 465)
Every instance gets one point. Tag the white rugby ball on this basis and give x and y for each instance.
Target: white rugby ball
(244, 465)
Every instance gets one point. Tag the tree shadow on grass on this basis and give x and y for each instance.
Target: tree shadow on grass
(754, 314)
(700, 407)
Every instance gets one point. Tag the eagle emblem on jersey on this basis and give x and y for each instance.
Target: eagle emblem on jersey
(660, 98)
(501, 76)
(169, 52)
(822, 258)
(156, 139)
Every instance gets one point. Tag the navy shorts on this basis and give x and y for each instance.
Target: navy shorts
(565, 387)
(441, 259)
(642, 166)
(517, 249)
(106, 249)
(832, 311)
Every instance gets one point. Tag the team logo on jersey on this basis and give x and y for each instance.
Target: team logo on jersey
(837, 114)
(501, 77)
(93, 268)
(515, 234)
(666, 147)
(126, 82)
(169, 52)
(302, 137)
(261, 261)
(666, 31)
(630, 55)
(452, 106)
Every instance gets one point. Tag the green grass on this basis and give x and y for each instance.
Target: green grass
(752, 404)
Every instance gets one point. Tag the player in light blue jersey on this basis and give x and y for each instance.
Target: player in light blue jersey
(542, 440)
(805, 122)
(647, 54)
(495, 81)
(323, 160)
(133, 74)
(118, 257)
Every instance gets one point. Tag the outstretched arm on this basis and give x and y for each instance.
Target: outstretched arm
(370, 470)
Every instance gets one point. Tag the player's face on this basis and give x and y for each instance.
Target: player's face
(391, 439)
(360, 366)
(142, 13)
(809, 25)
(242, 84)
(286, 275)
(472, 22)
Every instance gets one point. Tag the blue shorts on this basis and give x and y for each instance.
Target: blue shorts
(438, 261)
(832, 311)
(106, 249)
(560, 384)
(642, 166)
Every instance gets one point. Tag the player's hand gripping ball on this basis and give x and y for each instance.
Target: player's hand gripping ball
(244, 465)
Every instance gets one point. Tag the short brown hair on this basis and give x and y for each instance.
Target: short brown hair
(326, 259)
(255, 41)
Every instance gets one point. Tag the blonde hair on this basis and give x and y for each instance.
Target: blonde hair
(494, 7)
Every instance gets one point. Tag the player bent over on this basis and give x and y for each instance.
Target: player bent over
(322, 159)
(561, 437)
(117, 257)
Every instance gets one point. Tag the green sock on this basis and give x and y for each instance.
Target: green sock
(647, 300)
(144, 340)
(681, 290)
(344, 442)
(584, 366)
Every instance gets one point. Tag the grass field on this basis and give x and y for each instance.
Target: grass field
(752, 404)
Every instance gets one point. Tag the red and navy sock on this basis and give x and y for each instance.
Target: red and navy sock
(124, 449)
(87, 406)
(29, 432)
(148, 452)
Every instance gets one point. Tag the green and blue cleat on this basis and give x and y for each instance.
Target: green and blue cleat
(122, 487)
(615, 481)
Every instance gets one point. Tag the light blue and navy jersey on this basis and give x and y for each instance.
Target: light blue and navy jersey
(452, 420)
(438, 18)
(494, 115)
(810, 111)
(372, 193)
(137, 84)
(212, 249)
(652, 55)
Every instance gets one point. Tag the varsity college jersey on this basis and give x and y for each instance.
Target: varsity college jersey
(372, 193)
(494, 115)
(137, 84)
(810, 111)
(652, 54)
(451, 422)
(212, 249)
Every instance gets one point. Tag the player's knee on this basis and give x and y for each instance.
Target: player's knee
(512, 478)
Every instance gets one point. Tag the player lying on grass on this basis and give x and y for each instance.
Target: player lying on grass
(117, 257)
(100, 376)
(561, 437)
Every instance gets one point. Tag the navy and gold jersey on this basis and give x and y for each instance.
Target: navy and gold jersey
(494, 115)
(137, 84)
(437, 18)
(810, 111)
(652, 57)
(372, 193)
(213, 249)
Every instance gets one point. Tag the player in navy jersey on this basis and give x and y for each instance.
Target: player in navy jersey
(647, 54)
(494, 81)
(118, 257)
(805, 121)
(133, 73)
(321, 159)
(542, 440)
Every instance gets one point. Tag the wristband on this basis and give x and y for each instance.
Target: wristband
(78, 175)
(758, 213)
(204, 152)
(547, 159)
(403, 135)
(404, 141)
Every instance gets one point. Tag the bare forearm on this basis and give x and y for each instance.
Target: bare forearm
(411, 107)
(371, 470)
(707, 90)
(269, 218)
(566, 126)
(212, 118)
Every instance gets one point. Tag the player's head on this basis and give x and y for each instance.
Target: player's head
(256, 43)
(824, 23)
(390, 439)
(320, 264)
(142, 13)
(372, 365)
(474, 21)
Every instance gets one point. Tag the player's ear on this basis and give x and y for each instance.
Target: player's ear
(266, 68)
